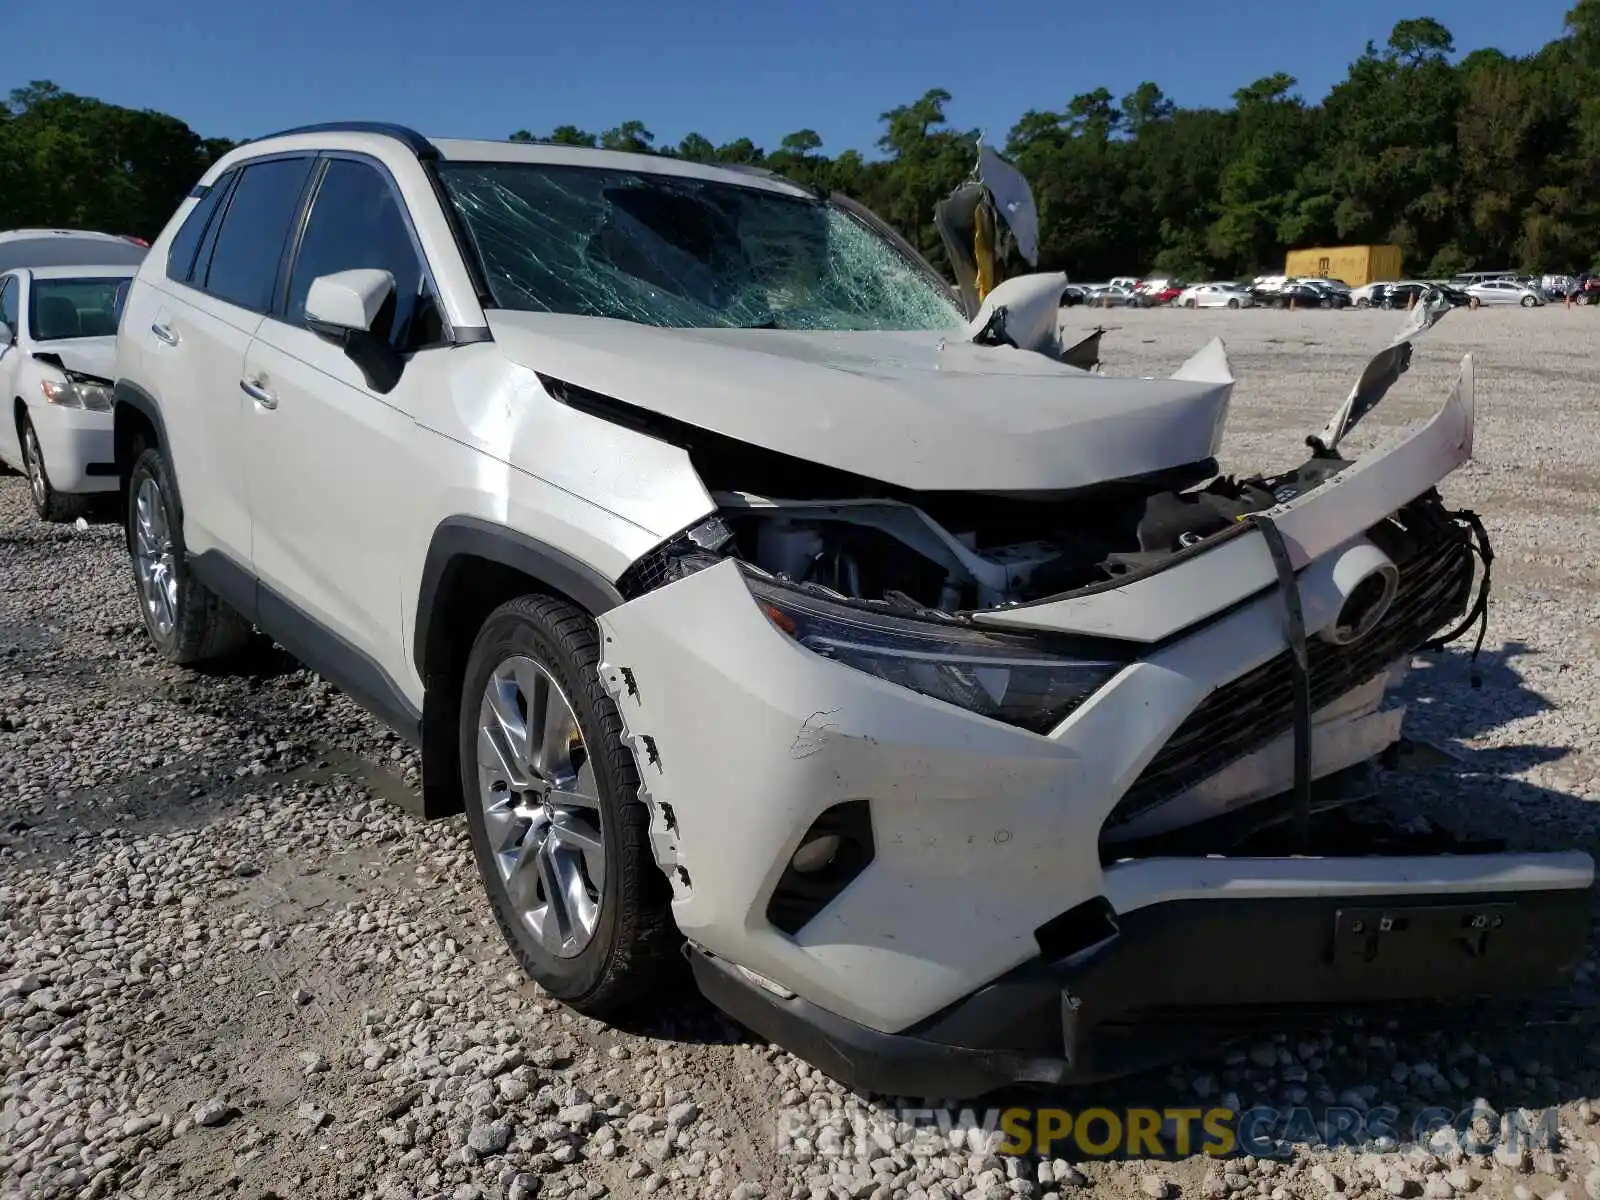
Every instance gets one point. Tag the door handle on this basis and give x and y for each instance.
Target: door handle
(258, 393)
(165, 333)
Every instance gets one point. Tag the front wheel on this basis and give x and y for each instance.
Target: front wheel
(1233, 303)
(50, 504)
(553, 810)
(186, 621)
(1528, 302)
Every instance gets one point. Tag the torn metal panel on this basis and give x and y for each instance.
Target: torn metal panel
(1023, 313)
(1213, 576)
(1383, 371)
(1013, 200)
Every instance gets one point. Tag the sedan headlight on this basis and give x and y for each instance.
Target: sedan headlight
(77, 393)
(1019, 680)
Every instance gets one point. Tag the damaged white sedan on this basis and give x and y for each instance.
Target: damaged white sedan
(760, 596)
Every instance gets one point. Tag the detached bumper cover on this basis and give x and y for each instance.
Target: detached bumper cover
(1156, 991)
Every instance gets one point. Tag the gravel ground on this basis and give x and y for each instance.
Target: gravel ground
(227, 967)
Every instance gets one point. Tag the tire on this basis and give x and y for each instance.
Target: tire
(50, 504)
(629, 943)
(1234, 303)
(1363, 302)
(1528, 302)
(188, 623)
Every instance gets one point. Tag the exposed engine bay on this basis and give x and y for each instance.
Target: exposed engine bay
(952, 552)
(988, 552)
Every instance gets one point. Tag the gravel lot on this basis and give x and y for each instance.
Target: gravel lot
(227, 967)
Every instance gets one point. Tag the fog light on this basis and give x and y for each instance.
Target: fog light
(815, 854)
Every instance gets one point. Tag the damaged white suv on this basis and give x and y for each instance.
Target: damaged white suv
(755, 599)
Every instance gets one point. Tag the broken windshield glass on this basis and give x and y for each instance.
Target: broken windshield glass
(684, 252)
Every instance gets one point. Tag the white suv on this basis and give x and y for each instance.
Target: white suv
(753, 597)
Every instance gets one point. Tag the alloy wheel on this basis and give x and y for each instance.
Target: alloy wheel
(33, 459)
(154, 561)
(541, 805)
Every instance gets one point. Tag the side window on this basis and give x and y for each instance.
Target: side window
(249, 245)
(8, 302)
(180, 257)
(356, 221)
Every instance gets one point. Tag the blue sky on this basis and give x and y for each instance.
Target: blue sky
(761, 68)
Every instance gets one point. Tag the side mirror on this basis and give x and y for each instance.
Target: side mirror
(347, 301)
(345, 307)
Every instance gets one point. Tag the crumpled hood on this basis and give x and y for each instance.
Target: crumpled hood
(923, 411)
(91, 355)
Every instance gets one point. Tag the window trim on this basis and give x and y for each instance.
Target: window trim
(319, 172)
(220, 220)
(220, 190)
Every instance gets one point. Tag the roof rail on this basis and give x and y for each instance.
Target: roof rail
(821, 193)
(414, 141)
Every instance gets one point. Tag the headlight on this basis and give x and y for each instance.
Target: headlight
(1019, 680)
(77, 393)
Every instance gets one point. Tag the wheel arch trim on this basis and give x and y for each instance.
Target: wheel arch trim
(473, 537)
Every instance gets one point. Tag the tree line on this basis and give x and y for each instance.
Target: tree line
(1480, 161)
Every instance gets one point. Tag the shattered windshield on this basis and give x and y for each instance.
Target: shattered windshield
(682, 252)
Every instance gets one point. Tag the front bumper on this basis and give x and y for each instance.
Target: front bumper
(1178, 974)
(979, 837)
(77, 444)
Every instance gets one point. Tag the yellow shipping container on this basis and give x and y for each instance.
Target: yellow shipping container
(1355, 265)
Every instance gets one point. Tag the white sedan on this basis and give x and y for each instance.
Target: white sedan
(1214, 295)
(1505, 291)
(58, 330)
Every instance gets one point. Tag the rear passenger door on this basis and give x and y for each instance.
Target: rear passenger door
(332, 463)
(223, 273)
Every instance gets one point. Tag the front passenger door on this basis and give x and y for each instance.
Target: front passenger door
(331, 462)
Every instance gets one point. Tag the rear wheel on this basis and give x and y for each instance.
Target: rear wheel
(1528, 302)
(1234, 303)
(50, 504)
(553, 810)
(187, 622)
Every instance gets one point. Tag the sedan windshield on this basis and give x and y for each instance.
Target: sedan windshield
(74, 308)
(685, 252)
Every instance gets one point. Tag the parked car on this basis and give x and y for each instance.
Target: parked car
(57, 346)
(1362, 297)
(1588, 290)
(1504, 291)
(67, 248)
(1110, 295)
(1332, 297)
(1332, 285)
(1072, 295)
(1298, 294)
(1215, 295)
(1402, 295)
(570, 465)
(1155, 292)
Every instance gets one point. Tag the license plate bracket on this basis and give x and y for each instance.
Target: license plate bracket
(1414, 934)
